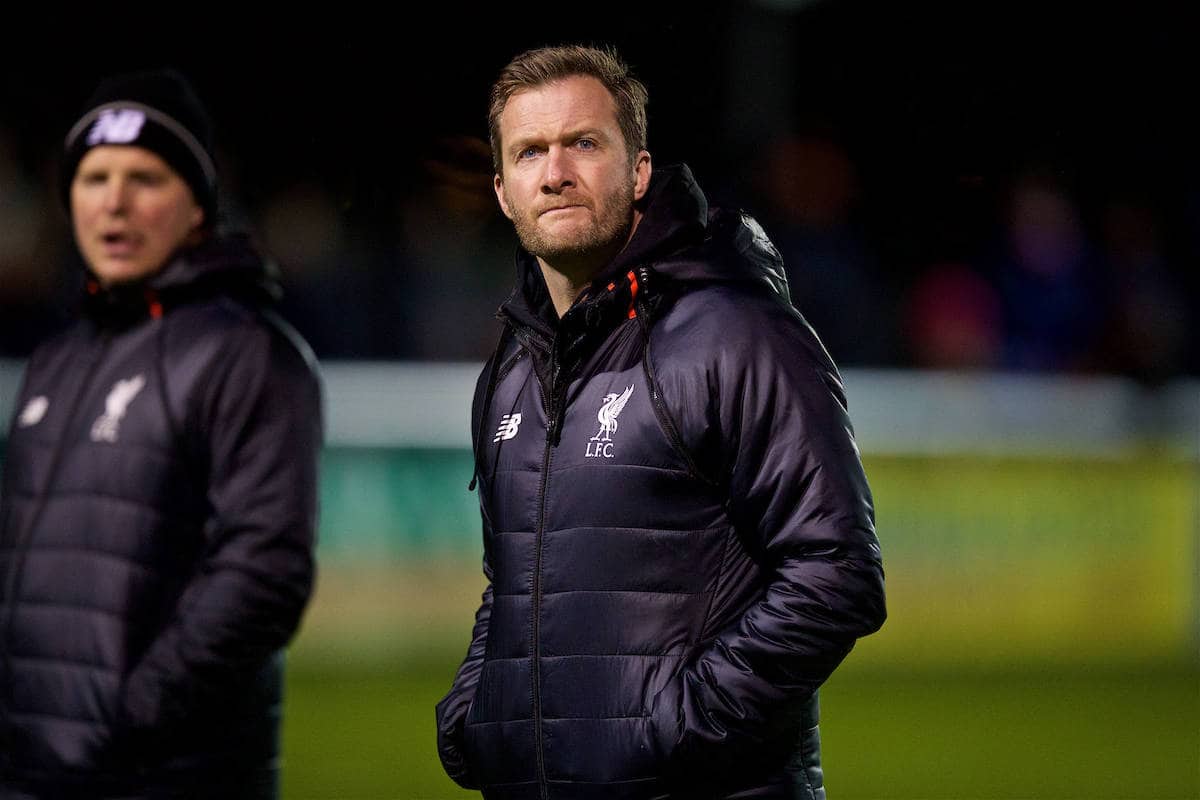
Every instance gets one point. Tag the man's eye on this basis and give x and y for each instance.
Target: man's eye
(528, 152)
(148, 178)
(585, 144)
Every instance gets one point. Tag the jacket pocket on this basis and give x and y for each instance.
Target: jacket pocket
(666, 718)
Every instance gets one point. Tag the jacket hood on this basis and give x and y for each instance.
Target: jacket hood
(685, 240)
(679, 237)
(229, 260)
(228, 266)
(674, 215)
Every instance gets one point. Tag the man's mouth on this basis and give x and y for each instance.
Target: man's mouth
(119, 243)
(565, 207)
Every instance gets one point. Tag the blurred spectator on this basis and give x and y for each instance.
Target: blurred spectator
(33, 301)
(455, 256)
(954, 320)
(1049, 280)
(1147, 326)
(1188, 247)
(810, 188)
(326, 284)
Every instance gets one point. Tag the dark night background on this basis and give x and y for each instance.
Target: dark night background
(912, 121)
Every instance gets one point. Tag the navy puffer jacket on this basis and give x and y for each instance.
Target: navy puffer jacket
(678, 534)
(156, 538)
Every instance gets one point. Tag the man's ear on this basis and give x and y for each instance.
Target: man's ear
(641, 179)
(498, 185)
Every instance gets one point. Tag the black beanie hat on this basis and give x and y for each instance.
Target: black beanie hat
(157, 110)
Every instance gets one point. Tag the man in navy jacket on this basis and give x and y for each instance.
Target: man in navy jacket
(678, 534)
(159, 495)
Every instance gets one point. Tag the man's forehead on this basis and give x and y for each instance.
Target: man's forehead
(574, 99)
(123, 155)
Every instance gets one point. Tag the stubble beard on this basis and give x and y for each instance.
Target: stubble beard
(613, 222)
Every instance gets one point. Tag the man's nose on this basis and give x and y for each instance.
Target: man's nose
(559, 174)
(116, 195)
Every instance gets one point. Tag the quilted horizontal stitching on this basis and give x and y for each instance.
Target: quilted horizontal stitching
(56, 606)
(129, 444)
(65, 662)
(91, 551)
(673, 656)
(622, 591)
(597, 591)
(621, 529)
(536, 470)
(78, 494)
(594, 719)
(602, 783)
(587, 655)
(57, 718)
(623, 466)
(78, 444)
(640, 530)
(555, 719)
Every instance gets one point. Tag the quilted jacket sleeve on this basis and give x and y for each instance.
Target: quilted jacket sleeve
(259, 423)
(798, 496)
(452, 710)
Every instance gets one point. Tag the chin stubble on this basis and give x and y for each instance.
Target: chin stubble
(610, 227)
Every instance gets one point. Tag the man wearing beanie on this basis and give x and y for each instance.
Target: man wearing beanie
(158, 503)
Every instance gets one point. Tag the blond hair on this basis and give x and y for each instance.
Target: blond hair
(535, 68)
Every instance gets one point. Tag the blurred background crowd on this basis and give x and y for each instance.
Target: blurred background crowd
(993, 188)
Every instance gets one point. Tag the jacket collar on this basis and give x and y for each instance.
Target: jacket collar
(679, 241)
(674, 214)
(220, 266)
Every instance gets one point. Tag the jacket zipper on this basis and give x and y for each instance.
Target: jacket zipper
(510, 365)
(550, 404)
(553, 401)
(24, 538)
(535, 660)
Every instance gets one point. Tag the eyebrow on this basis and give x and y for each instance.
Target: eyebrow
(520, 143)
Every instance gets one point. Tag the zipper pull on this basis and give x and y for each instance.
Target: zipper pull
(555, 414)
(554, 425)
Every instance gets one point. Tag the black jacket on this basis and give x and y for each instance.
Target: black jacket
(678, 533)
(156, 535)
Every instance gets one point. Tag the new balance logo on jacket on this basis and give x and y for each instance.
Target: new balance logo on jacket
(509, 424)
